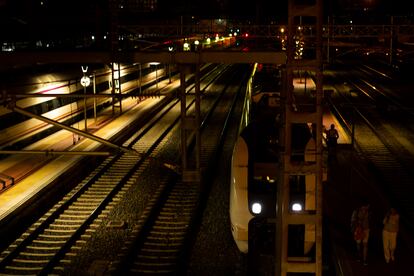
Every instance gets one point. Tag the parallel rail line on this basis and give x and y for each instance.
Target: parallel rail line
(382, 148)
(49, 244)
(158, 247)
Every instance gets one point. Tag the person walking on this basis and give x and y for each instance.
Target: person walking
(360, 226)
(389, 234)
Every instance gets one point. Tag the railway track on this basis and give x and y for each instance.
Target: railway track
(64, 227)
(38, 131)
(50, 243)
(380, 139)
(159, 246)
(392, 163)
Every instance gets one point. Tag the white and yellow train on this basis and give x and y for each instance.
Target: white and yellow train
(256, 174)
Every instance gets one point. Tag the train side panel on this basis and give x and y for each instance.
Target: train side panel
(239, 209)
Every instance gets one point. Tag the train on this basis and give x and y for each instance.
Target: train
(255, 157)
(256, 172)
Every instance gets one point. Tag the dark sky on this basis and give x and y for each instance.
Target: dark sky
(26, 18)
(85, 12)
(279, 8)
(226, 6)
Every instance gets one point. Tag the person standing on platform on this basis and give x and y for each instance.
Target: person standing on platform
(332, 138)
(360, 226)
(389, 233)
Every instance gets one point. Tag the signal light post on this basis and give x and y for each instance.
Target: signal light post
(85, 82)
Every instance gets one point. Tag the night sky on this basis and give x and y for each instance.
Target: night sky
(209, 7)
(275, 8)
(71, 15)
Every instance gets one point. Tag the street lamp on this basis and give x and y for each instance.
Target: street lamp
(186, 46)
(170, 49)
(85, 82)
(94, 98)
(196, 45)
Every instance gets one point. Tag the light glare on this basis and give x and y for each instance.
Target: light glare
(256, 208)
(296, 207)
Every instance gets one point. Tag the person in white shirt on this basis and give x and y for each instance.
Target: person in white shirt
(389, 234)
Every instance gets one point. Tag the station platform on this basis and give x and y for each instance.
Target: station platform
(35, 172)
(328, 119)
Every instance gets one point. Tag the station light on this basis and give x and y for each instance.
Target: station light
(85, 81)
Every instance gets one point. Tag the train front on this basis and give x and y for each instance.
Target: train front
(254, 179)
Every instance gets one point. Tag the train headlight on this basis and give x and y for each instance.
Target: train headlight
(296, 207)
(256, 208)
